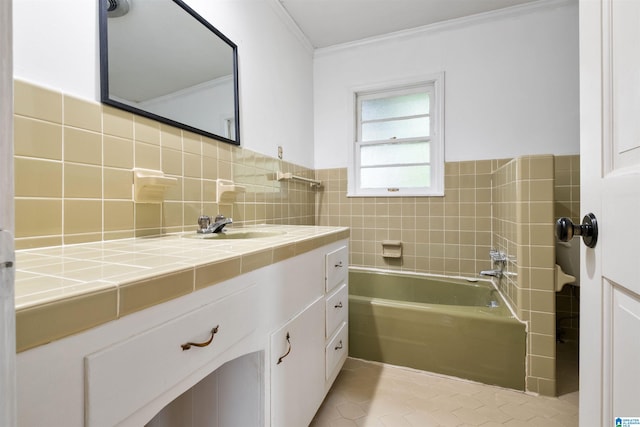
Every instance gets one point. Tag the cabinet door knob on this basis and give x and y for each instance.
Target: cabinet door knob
(338, 305)
(281, 358)
(339, 264)
(339, 346)
(188, 345)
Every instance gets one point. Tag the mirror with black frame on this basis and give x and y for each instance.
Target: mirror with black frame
(160, 59)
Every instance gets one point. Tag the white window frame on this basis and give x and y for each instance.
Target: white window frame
(434, 84)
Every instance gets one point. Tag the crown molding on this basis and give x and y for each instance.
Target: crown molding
(447, 25)
(291, 25)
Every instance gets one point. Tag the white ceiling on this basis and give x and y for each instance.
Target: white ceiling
(331, 22)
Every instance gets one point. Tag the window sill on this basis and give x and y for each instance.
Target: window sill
(397, 194)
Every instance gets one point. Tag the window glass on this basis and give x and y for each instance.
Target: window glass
(396, 177)
(398, 148)
(407, 128)
(413, 104)
(394, 154)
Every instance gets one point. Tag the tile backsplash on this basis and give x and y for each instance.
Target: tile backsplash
(73, 174)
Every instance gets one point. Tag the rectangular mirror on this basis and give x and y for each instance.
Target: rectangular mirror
(161, 60)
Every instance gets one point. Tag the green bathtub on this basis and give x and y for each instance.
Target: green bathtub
(448, 326)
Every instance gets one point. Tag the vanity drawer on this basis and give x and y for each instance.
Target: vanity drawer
(336, 351)
(126, 376)
(336, 267)
(337, 309)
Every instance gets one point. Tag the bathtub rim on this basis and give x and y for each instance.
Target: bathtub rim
(470, 280)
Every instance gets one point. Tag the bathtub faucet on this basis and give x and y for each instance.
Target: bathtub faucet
(492, 273)
(498, 259)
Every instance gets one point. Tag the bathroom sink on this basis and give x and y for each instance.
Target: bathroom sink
(239, 234)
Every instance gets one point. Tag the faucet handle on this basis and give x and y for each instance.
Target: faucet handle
(497, 256)
(219, 217)
(203, 222)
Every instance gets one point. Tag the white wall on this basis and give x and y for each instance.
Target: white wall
(193, 106)
(511, 83)
(56, 46)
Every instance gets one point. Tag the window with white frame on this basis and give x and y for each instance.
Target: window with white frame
(399, 148)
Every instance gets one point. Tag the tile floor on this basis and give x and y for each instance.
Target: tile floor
(375, 395)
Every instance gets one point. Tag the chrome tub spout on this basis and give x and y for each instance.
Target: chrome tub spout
(492, 273)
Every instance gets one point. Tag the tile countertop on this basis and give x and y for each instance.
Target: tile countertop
(64, 290)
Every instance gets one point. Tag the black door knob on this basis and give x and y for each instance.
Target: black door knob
(567, 230)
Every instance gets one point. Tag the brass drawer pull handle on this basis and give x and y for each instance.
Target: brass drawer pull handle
(339, 346)
(188, 345)
(281, 358)
(338, 305)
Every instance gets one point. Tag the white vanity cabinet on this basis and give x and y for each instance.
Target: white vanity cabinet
(133, 371)
(336, 312)
(309, 350)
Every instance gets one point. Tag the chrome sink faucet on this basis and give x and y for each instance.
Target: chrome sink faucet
(206, 226)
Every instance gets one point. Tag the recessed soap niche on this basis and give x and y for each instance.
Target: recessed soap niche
(230, 396)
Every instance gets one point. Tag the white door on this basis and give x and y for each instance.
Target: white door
(7, 303)
(610, 182)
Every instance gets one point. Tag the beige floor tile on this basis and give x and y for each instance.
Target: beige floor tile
(342, 423)
(369, 394)
(422, 391)
(386, 406)
(421, 419)
(544, 422)
(566, 419)
(446, 418)
(327, 413)
(369, 421)
(394, 420)
(350, 410)
(470, 416)
(516, 423)
(493, 413)
(519, 412)
(467, 402)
